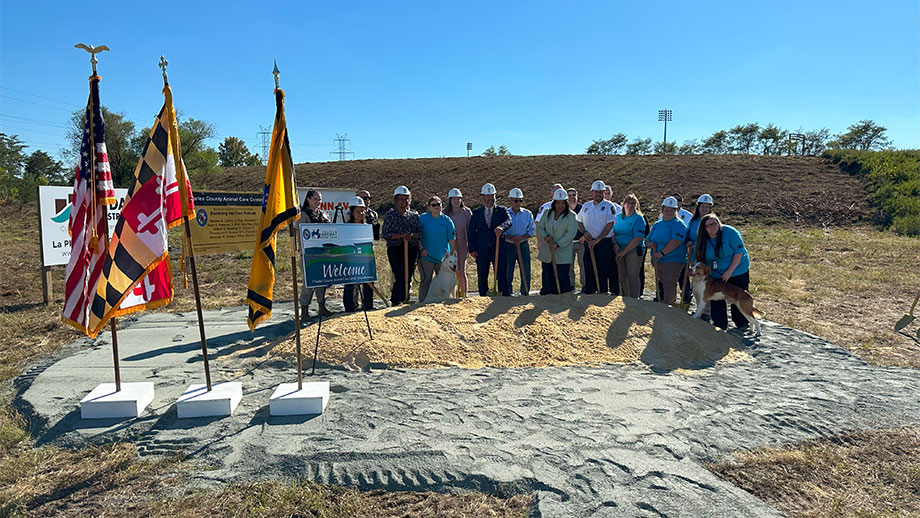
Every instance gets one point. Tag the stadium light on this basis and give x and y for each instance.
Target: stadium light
(664, 115)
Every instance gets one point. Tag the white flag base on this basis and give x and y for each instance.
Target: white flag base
(104, 403)
(311, 399)
(221, 400)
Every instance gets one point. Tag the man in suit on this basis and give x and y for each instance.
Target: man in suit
(483, 231)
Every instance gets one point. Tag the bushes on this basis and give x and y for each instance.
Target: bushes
(892, 179)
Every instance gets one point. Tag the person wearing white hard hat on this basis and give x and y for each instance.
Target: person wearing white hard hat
(682, 213)
(401, 231)
(311, 213)
(667, 243)
(438, 239)
(542, 209)
(558, 227)
(518, 230)
(460, 214)
(596, 221)
(357, 213)
(703, 207)
(483, 234)
(370, 215)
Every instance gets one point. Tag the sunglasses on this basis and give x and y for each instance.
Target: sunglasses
(515, 201)
(712, 224)
(436, 204)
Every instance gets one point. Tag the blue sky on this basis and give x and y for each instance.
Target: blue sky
(420, 79)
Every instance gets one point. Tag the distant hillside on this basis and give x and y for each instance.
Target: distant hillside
(745, 187)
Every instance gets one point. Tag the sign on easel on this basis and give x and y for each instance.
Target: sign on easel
(337, 253)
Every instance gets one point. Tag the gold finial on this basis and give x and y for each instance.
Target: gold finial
(163, 63)
(276, 72)
(92, 50)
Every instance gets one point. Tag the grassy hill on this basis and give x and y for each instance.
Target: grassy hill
(746, 188)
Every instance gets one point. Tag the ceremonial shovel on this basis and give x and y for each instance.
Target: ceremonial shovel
(908, 318)
(552, 253)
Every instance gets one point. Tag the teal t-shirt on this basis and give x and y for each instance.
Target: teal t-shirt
(692, 230)
(663, 232)
(627, 229)
(436, 232)
(731, 244)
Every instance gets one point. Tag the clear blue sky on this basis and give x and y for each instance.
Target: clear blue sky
(421, 79)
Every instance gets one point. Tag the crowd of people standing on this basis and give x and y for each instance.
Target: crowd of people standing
(609, 242)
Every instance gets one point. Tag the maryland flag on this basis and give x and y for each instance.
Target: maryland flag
(279, 208)
(92, 191)
(159, 197)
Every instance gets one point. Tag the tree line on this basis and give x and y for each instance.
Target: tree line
(752, 138)
(21, 173)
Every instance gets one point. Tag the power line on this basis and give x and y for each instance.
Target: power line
(341, 141)
(34, 131)
(266, 136)
(35, 103)
(27, 120)
(40, 96)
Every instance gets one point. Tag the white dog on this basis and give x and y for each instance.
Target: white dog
(444, 283)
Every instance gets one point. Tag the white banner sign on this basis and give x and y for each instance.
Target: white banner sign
(332, 198)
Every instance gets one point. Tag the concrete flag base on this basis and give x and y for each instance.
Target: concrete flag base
(221, 400)
(105, 403)
(311, 399)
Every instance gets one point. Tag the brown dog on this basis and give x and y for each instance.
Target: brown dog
(706, 288)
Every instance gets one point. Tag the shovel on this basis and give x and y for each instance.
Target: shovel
(908, 318)
(684, 306)
(524, 281)
(494, 290)
(406, 266)
(624, 289)
(552, 252)
(597, 278)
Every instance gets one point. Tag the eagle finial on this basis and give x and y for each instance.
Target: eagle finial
(92, 50)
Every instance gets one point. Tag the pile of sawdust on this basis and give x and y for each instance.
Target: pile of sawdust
(523, 332)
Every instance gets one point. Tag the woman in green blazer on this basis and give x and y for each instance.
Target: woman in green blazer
(557, 227)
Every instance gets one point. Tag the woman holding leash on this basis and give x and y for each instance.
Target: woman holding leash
(722, 249)
(703, 207)
(557, 228)
(667, 241)
(629, 248)
(438, 238)
(357, 211)
(401, 231)
(460, 214)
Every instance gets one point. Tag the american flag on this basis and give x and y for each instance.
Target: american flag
(87, 217)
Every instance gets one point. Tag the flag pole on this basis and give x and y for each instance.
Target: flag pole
(191, 256)
(93, 184)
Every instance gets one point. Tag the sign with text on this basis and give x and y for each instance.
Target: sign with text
(225, 221)
(337, 253)
(54, 204)
(332, 198)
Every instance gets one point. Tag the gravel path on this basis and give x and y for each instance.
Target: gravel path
(619, 440)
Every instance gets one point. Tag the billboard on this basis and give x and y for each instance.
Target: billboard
(337, 253)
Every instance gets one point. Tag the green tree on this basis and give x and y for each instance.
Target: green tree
(40, 169)
(201, 161)
(772, 140)
(865, 135)
(233, 152)
(491, 151)
(611, 146)
(12, 161)
(717, 143)
(120, 138)
(503, 151)
(816, 141)
(639, 146)
(689, 147)
(665, 148)
(742, 137)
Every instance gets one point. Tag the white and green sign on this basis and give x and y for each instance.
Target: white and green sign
(337, 253)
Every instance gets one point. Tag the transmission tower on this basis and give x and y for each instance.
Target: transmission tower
(266, 135)
(341, 141)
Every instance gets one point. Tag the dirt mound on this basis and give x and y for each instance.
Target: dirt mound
(745, 187)
(524, 332)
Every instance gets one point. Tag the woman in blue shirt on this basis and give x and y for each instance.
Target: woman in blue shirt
(668, 242)
(703, 207)
(438, 238)
(628, 232)
(721, 248)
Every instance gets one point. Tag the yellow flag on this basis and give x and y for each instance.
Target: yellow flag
(279, 208)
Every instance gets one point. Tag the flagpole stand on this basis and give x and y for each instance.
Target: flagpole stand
(297, 398)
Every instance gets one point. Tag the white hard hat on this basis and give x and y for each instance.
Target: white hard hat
(356, 202)
(560, 194)
(515, 193)
(670, 201)
(704, 198)
(454, 193)
(402, 189)
(487, 189)
(598, 185)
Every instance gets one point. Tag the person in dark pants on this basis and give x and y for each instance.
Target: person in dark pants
(485, 225)
(310, 213)
(558, 227)
(401, 229)
(722, 249)
(703, 207)
(596, 221)
(357, 214)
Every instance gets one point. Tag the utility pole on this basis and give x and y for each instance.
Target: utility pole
(341, 141)
(266, 135)
(664, 115)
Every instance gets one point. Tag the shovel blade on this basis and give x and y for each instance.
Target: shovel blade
(904, 322)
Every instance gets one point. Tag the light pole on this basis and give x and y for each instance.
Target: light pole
(469, 147)
(664, 115)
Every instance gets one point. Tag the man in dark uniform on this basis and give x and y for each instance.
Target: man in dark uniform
(484, 226)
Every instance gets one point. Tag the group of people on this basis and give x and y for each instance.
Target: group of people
(609, 242)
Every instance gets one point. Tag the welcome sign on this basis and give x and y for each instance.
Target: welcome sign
(337, 253)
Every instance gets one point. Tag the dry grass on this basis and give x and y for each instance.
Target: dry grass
(863, 474)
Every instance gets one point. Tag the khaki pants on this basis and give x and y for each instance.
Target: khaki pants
(579, 250)
(669, 275)
(631, 265)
